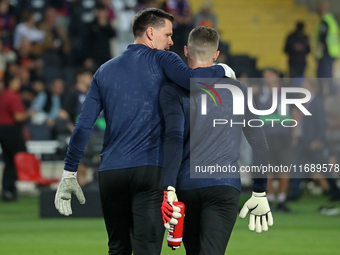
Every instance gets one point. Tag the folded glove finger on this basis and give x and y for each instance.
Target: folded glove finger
(176, 209)
(258, 226)
(80, 195)
(244, 211)
(173, 221)
(252, 222)
(61, 207)
(167, 225)
(270, 219)
(57, 200)
(67, 207)
(70, 208)
(176, 215)
(264, 223)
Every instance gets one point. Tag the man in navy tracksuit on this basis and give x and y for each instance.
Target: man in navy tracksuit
(127, 88)
(211, 204)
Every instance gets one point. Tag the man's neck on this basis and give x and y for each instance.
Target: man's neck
(193, 63)
(144, 42)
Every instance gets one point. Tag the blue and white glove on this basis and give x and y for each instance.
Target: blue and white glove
(67, 186)
(228, 71)
(260, 214)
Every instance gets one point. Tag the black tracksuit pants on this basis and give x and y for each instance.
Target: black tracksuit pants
(210, 215)
(12, 142)
(131, 201)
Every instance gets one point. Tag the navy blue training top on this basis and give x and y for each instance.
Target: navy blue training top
(127, 89)
(219, 145)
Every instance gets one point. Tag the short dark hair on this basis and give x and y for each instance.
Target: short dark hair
(84, 70)
(9, 79)
(203, 41)
(300, 25)
(273, 70)
(100, 6)
(26, 16)
(151, 17)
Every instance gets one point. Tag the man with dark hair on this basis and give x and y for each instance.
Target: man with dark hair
(157, 18)
(211, 204)
(126, 88)
(297, 48)
(71, 108)
(278, 137)
(12, 114)
(74, 99)
(182, 22)
(328, 41)
(327, 47)
(99, 33)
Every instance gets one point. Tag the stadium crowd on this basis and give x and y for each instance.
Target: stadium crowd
(54, 47)
(49, 51)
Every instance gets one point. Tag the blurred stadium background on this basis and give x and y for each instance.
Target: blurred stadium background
(53, 47)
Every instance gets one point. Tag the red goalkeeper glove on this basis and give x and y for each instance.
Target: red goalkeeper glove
(170, 212)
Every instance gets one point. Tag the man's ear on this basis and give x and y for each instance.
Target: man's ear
(150, 33)
(217, 53)
(186, 51)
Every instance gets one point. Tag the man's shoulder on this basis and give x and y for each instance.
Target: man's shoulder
(292, 35)
(10, 94)
(10, 97)
(163, 54)
(4, 95)
(230, 81)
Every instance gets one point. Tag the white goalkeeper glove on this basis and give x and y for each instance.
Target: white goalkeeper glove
(67, 186)
(260, 214)
(170, 212)
(228, 71)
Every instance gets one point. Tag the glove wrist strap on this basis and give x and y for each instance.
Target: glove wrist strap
(259, 194)
(170, 188)
(69, 174)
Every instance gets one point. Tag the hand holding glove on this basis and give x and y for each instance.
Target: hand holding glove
(170, 212)
(228, 71)
(260, 214)
(67, 186)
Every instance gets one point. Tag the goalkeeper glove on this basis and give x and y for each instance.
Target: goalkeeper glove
(170, 212)
(228, 71)
(67, 186)
(260, 214)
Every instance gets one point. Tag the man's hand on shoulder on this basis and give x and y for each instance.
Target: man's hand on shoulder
(228, 71)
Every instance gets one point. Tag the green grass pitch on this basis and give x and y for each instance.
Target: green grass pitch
(303, 232)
